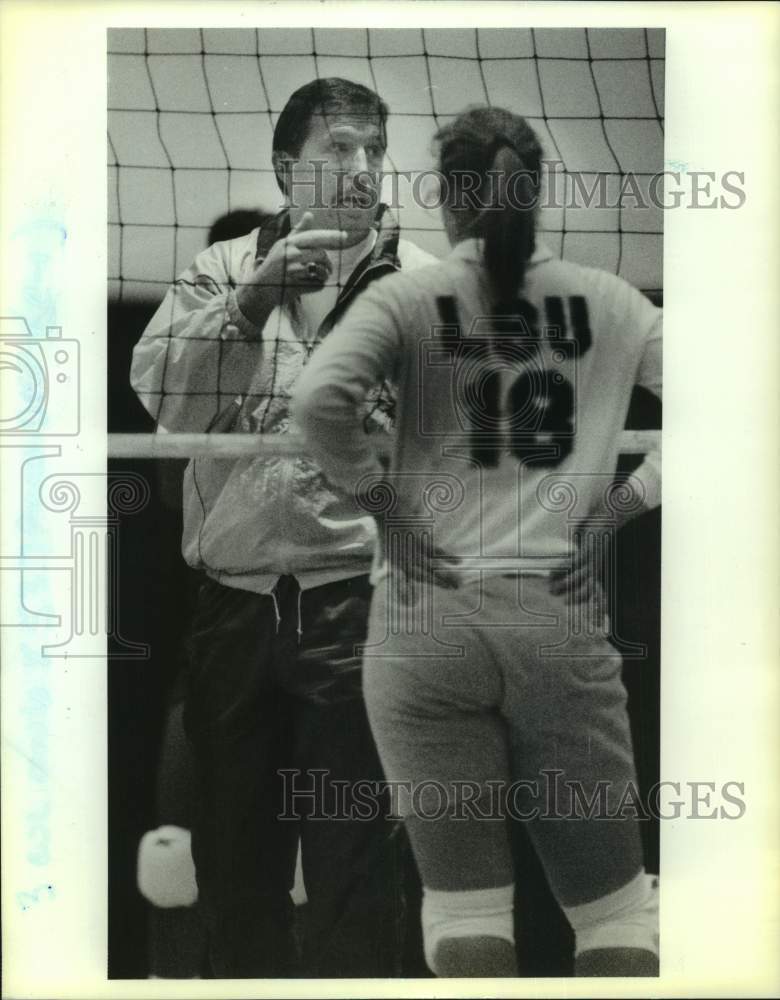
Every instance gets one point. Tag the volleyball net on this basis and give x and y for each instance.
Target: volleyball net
(192, 113)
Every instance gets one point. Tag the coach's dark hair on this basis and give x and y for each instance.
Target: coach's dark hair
(501, 154)
(331, 95)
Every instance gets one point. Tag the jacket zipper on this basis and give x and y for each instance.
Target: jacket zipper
(288, 467)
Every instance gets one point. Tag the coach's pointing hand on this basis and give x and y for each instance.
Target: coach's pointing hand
(297, 264)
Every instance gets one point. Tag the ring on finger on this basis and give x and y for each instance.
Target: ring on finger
(312, 270)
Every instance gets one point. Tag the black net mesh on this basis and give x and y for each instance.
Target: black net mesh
(192, 112)
(191, 119)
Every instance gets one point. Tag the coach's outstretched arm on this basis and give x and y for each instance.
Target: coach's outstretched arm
(203, 344)
(195, 342)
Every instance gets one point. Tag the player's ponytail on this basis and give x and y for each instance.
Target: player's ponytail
(508, 224)
(490, 161)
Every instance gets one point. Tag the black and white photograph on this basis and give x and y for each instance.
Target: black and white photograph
(336, 588)
(260, 183)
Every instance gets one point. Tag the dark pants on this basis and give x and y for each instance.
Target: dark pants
(267, 698)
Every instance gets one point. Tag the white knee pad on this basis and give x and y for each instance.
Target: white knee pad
(166, 873)
(467, 913)
(627, 918)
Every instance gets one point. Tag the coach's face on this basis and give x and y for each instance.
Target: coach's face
(337, 176)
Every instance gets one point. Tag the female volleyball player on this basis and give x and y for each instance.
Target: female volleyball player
(492, 690)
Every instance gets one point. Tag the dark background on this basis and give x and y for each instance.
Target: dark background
(155, 597)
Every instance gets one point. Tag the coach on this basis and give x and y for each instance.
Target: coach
(274, 682)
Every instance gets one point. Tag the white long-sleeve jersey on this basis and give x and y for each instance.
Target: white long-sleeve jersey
(508, 429)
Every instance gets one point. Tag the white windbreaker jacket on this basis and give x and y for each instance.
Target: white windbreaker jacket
(202, 366)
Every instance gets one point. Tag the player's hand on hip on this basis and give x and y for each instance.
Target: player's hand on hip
(422, 565)
(580, 582)
(297, 264)
(413, 560)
